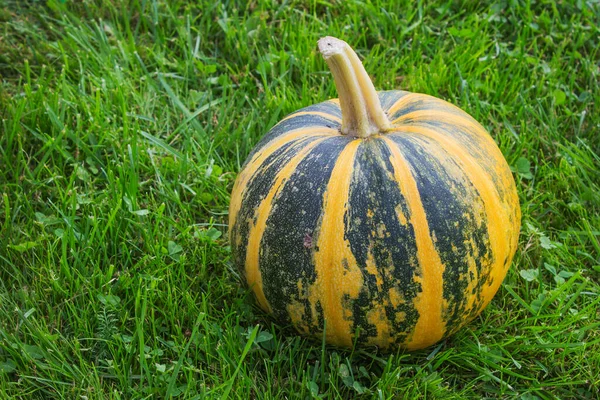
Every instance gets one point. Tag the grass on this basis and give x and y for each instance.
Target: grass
(122, 128)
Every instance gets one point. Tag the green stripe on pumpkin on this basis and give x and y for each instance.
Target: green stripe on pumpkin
(384, 246)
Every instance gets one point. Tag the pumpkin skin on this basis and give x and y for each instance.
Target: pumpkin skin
(395, 240)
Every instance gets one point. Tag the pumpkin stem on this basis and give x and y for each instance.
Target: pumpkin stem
(362, 114)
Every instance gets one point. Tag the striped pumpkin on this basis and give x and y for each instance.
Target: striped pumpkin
(382, 218)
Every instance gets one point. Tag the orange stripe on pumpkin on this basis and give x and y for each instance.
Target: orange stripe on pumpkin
(423, 102)
(430, 327)
(317, 113)
(402, 102)
(452, 119)
(337, 273)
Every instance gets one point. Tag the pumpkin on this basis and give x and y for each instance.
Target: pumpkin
(382, 219)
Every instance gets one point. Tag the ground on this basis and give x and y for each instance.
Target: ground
(123, 126)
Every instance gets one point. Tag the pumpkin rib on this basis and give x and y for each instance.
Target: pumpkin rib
(388, 98)
(291, 234)
(292, 125)
(256, 164)
(456, 215)
(325, 115)
(334, 262)
(401, 104)
(384, 247)
(444, 116)
(500, 239)
(329, 107)
(459, 125)
(417, 102)
(481, 147)
(429, 328)
(261, 214)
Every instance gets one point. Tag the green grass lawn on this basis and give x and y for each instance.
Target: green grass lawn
(122, 129)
